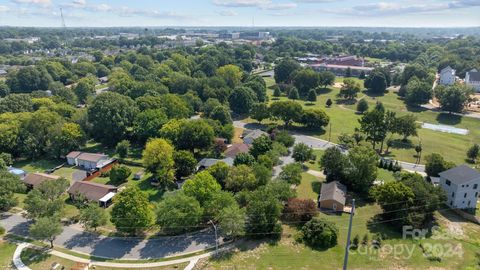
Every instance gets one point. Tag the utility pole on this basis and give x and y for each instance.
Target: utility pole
(347, 248)
(216, 236)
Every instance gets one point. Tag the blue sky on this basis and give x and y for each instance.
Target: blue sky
(399, 13)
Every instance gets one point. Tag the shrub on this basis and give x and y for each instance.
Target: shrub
(2, 231)
(119, 174)
(320, 233)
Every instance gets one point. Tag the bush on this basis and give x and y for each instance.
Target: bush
(119, 174)
(362, 106)
(2, 231)
(320, 233)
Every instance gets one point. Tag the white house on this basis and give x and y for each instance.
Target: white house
(461, 185)
(447, 76)
(472, 78)
(87, 161)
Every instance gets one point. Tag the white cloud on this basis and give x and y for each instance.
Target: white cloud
(241, 3)
(279, 6)
(4, 8)
(34, 2)
(228, 13)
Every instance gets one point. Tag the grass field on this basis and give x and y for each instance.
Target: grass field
(343, 119)
(6, 254)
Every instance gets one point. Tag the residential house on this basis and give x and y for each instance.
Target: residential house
(94, 192)
(87, 161)
(33, 180)
(447, 76)
(333, 196)
(472, 78)
(461, 185)
(250, 136)
(209, 162)
(235, 149)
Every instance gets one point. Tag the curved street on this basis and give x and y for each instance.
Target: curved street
(131, 248)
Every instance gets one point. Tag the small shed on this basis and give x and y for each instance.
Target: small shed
(333, 196)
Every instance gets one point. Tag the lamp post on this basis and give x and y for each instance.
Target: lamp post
(216, 235)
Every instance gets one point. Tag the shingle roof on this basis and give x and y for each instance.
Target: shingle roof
(92, 191)
(474, 76)
(73, 154)
(236, 149)
(36, 179)
(255, 134)
(461, 174)
(92, 157)
(333, 191)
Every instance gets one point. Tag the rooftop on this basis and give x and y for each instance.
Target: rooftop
(461, 174)
(92, 191)
(35, 179)
(333, 191)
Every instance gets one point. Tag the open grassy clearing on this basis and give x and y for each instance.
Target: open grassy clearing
(6, 254)
(344, 120)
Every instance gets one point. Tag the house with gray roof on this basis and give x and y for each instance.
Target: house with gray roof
(88, 161)
(447, 76)
(250, 136)
(472, 78)
(461, 185)
(209, 162)
(333, 196)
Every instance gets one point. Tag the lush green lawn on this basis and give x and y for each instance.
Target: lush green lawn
(6, 254)
(134, 155)
(309, 188)
(343, 119)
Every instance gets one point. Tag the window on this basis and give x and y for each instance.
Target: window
(468, 203)
(448, 182)
(453, 194)
(476, 194)
(463, 185)
(465, 195)
(475, 186)
(451, 203)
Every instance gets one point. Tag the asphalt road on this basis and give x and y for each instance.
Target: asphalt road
(117, 247)
(320, 144)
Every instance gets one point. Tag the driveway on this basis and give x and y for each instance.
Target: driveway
(117, 247)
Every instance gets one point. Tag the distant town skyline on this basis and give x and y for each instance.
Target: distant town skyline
(368, 13)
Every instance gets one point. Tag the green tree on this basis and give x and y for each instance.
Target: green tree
(374, 126)
(293, 94)
(244, 158)
(285, 69)
(147, 124)
(284, 138)
(131, 212)
(350, 88)
(45, 200)
(436, 164)
(376, 82)
(326, 78)
(348, 72)
(291, 173)
(119, 174)
(406, 126)
(9, 185)
(312, 95)
(232, 220)
(220, 172)
(111, 115)
(287, 111)
(261, 145)
(84, 90)
(196, 134)
(473, 152)
(362, 106)
(231, 74)
(329, 102)
(16, 103)
(333, 163)
(240, 178)
(263, 212)
(315, 119)
(4, 89)
(361, 170)
(71, 137)
(93, 216)
(222, 114)
(320, 233)
(158, 159)
(46, 228)
(201, 186)
(178, 213)
(305, 80)
(242, 100)
(418, 92)
(185, 163)
(259, 111)
(302, 153)
(453, 98)
(122, 148)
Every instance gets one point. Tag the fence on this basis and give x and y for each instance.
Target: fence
(99, 172)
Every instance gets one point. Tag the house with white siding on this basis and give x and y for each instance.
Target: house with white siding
(472, 78)
(447, 76)
(462, 186)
